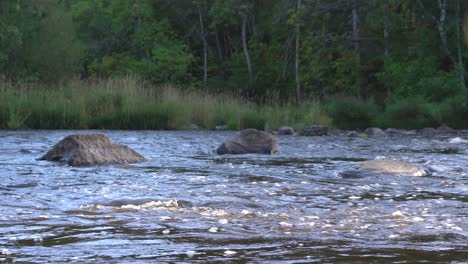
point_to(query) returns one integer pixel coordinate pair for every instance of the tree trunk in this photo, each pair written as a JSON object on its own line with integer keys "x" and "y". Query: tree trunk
{"x": 357, "y": 49}
{"x": 218, "y": 46}
{"x": 442, "y": 32}
{"x": 246, "y": 50}
{"x": 205, "y": 50}
{"x": 286, "y": 57}
{"x": 298, "y": 31}
{"x": 465, "y": 27}
{"x": 386, "y": 33}
{"x": 461, "y": 67}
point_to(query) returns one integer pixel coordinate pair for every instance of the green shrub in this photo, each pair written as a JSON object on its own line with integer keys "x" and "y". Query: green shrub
{"x": 410, "y": 113}
{"x": 352, "y": 113}
{"x": 453, "y": 111}
{"x": 253, "y": 119}
{"x": 419, "y": 78}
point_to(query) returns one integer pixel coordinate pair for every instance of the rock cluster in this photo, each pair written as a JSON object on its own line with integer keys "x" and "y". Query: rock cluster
{"x": 314, "y": 131}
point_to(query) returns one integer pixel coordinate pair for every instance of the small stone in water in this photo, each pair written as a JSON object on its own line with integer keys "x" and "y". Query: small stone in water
{"x": 213, "y": 229}
{"x": 166, "y": 231}
{"x": 229, "y": 252}
{"x": 190, "y": 253}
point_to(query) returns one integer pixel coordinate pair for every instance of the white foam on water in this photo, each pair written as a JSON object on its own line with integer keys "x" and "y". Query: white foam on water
{"x": 286, "y": 224}
{"x": 152, "y": 205}
{"x": 398, "y": 213}
{"x": 458, "y": 140}
{"x": 223, "y": 221}
{"x": 229, "y": 252}
{"x": 213, "y": 229}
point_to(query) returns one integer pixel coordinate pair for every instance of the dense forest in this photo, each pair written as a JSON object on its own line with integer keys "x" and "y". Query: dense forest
{"x": 400, "y": 63}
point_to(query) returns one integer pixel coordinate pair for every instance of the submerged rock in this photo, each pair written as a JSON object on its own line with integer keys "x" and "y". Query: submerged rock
{"x": 314, "y": 131}
{"x": 91, "y": 149}
{"x": 356, "y": 134}
{"x": 374, "y": 132}
{"x": 428, "y": 131}
{"x": 286, "y": 130}
{"x": 193, "y": 126}
{"x": 440, "y": 130}
{"x": 391, "y": 167}
{"x": 397, "y": 131}
{"x": 386, "y": 167}
{"x": 249, "y": 141}
{"x": 446, "y": 130}
{"x": 221, "y": 128}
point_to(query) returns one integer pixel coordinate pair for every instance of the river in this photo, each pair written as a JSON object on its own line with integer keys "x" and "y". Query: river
{"x": 188, "y": 205}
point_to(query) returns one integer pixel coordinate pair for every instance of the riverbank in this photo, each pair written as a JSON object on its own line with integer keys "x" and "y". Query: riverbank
{"x": 131, "y": 103}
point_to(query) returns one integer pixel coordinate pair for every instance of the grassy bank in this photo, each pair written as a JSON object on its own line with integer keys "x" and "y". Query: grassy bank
{"x": 130, "y": 103}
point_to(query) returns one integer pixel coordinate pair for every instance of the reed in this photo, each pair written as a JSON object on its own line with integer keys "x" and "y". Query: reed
{"x": 131, "y": 103}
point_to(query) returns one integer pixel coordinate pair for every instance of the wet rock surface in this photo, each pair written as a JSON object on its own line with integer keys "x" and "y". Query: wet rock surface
{"x": 91, "y": 149}
{"x": 286, "y": 130}
{"x": 249, "y": 141}
{"x": 391, "y": 167}
{"x": 374, "y": 132}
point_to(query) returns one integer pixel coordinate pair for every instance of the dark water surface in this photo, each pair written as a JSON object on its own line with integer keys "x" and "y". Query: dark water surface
{"x": 188, "y": 205}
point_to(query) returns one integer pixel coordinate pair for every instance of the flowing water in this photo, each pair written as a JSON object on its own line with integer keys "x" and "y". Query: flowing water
{"x": 188, "y": 205}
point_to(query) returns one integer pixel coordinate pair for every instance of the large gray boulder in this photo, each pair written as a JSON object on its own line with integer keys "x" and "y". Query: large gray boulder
{"x": 91, "y": 149}
{"x": 249, "y": 141}
{"x": 390, "y": 167}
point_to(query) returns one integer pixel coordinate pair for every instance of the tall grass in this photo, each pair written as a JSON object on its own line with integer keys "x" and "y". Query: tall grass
{"x": 131, "y": 103}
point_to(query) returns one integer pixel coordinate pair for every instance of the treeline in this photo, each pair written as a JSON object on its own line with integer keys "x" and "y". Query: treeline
{"x": 404, "y": 59}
